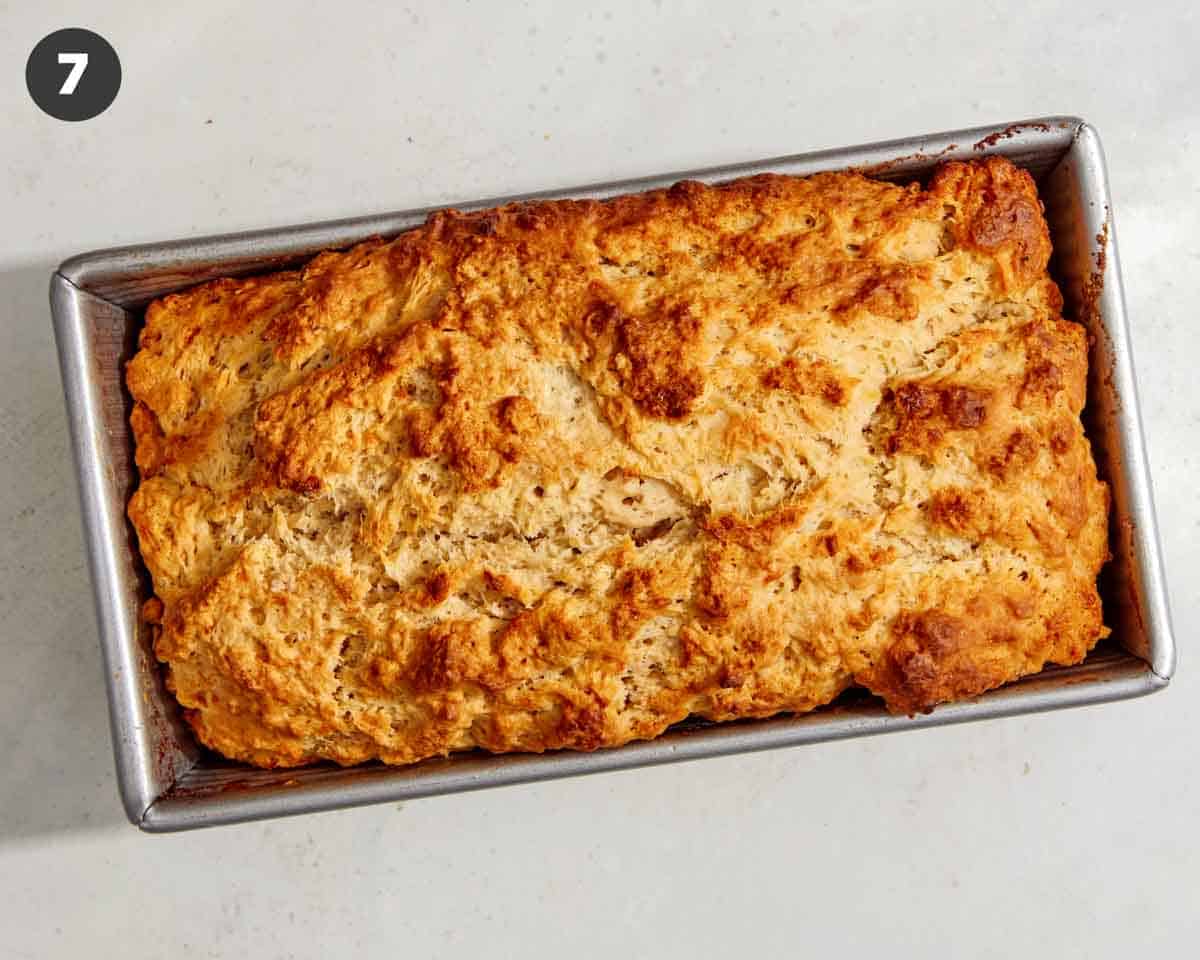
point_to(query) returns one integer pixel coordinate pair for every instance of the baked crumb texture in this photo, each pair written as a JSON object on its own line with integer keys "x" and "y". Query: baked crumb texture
{"x": 558, "y": 475}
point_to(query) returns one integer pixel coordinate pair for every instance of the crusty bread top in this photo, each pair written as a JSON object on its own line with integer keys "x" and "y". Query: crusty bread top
{"x": 561, "y": 474}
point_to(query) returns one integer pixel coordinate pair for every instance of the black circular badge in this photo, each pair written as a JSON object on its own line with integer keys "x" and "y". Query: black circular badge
{"x": 73, "y": 74}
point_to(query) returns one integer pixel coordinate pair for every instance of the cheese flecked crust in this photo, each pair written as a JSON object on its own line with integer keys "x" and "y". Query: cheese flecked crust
{"x": 561, "y": 474}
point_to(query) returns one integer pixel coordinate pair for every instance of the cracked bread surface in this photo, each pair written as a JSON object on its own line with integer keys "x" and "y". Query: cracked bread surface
{"x": 561, "y": 474}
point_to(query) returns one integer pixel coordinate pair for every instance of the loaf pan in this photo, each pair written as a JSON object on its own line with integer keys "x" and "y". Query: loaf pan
{"x": 168, "y": 782}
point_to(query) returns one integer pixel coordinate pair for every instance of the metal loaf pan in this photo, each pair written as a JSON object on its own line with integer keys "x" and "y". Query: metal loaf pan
{"x": 168, "y": 782}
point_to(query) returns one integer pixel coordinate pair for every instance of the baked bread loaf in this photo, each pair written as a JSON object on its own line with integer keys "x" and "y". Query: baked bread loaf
{"x": 561, "y": 474}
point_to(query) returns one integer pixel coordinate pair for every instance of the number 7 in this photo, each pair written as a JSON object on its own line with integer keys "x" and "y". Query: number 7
{"x": 78, "y": 62}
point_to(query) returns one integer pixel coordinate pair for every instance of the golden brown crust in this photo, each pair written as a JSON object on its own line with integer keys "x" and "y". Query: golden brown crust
{"x": 558, "y": 475}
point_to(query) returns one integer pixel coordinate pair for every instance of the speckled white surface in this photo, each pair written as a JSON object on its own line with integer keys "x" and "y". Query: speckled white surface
{"x": 1064, "y": 835}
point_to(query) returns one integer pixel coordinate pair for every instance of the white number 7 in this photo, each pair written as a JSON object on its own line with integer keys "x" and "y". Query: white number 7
{"x": 78, "y": 62}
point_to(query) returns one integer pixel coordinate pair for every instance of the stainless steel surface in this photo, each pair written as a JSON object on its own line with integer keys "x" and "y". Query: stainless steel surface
{"x": 1087, "y": 266}
{"x": 260, "y": 794}
{"x": 150, "y": 743}
{"x": 168, "y": 783}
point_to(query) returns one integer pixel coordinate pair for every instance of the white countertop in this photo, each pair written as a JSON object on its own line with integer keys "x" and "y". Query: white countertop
{"x": 1070, "y": 834}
